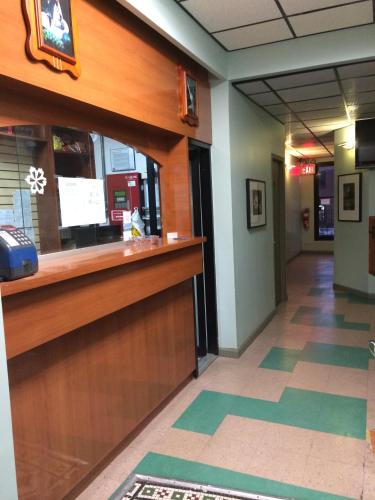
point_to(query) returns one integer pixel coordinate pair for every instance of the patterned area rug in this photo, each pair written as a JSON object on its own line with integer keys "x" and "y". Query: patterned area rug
{"x": 139, "y": 487}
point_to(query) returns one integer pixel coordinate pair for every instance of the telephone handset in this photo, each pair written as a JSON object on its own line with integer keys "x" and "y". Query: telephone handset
{"x": 18, "y": 255}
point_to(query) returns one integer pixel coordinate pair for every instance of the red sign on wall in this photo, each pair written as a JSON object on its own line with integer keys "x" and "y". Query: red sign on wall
{"x": 307, "y": 169}
{"x": 302, "y": 169}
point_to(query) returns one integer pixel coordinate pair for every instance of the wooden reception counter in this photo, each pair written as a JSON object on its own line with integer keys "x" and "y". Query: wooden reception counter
{"x": 96, "y": 341}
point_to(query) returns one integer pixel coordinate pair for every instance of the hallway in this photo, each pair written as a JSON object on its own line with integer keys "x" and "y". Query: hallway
{"x": 288, "y": 418}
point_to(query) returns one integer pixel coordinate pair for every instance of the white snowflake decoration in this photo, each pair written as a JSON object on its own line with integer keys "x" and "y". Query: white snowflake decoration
{"x": 36, "y": 180}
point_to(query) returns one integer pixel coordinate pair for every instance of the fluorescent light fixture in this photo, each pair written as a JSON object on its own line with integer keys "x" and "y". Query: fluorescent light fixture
{"x": 349, "y": 144}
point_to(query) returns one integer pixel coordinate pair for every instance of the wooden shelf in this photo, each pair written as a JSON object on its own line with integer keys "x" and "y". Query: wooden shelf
{"x": 23, "y": 137}
{"x": 74, "y": 153}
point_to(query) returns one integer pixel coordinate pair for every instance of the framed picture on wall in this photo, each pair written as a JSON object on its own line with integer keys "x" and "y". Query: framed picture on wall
{"x": 350, "y": 197}
{"x": 255, "y": 203}
{"x": 188, "y": 97}
{"x": 52, "y": 33}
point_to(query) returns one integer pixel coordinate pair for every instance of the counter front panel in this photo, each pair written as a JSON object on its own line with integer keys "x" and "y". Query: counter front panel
{"x": 91, "y": 354}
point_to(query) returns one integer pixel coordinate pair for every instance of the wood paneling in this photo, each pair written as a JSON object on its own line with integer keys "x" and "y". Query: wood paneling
{"x": 71, "y": 264}
{"x": 37, "y": 316}
{"x": 127, "y": 68}
{"x": 19, "y": 104}
{"x": 48, "y": 210}
{"x": 76, "y": 398}
{"x": 372, "y": 245}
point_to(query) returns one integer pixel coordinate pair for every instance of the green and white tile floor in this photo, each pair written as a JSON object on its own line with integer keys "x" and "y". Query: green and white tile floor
{"x": 288, "y": 418}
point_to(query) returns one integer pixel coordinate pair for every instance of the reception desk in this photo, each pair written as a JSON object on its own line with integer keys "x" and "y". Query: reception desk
{"x": 96, "y": 341}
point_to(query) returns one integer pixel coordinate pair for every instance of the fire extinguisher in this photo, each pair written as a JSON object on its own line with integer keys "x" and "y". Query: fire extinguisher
{"x": 306, "y": 218}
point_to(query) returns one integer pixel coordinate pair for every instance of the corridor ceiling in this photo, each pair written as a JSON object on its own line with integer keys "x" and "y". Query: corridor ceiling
{"x": 314, "y": 103}
{"x": 311, "y": 104}
{"x": 239, "y": 24}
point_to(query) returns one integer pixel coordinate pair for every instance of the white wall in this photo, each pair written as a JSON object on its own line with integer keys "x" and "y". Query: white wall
{"x": 351, "y": 238}
{"x": 292, "y": 211}
{"x": 242, "y": 148}
{"x": 298, "y": 54}
{"x": 8, "y": 485}
{"x": 167, "y": 17}
{"x": 223, "y": 215}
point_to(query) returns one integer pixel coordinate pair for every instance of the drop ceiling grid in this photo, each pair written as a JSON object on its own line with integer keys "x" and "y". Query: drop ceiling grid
{"x": 250, "y": 23}
{"x": 313, "y": 110}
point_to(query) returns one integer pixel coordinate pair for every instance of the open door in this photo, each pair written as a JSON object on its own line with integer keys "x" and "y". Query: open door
{"x": 205, "y": 283}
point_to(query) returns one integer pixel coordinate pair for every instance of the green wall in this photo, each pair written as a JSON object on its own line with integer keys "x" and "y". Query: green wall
{"x": 244, "y": 137}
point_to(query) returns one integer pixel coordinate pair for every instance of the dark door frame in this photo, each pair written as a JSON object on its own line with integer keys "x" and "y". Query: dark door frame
{"x": 316, "y": 204}
{"x": 282, "y": 222}
{"x": 205, "y": 283}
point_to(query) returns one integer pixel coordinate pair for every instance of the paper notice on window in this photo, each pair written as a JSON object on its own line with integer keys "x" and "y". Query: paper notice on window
{"x": 7, "y": 217}
{"x": 82, "y": 201}
{"x": 22, "y": 208}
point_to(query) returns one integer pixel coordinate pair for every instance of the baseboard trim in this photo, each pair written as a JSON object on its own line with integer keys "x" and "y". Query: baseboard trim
{"x": 342, "y": 288}
{"x": 236, "y": 353}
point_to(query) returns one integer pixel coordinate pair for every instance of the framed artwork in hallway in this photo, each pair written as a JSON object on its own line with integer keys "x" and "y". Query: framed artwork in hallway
{"x": 52, "y": 33}
{"x": 255, "y": 203}
{"x": 188, "y": 98}
{"x": 350, "y": 197}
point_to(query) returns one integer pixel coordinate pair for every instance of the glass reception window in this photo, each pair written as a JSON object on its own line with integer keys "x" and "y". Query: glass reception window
{"x": 67, "y": 188}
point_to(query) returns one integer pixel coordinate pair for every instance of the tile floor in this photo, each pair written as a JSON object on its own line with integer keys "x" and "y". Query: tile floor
{"x": 288, "y": 418}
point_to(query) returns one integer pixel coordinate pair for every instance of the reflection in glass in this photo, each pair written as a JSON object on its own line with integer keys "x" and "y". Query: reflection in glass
{"x": 91, "y": 180}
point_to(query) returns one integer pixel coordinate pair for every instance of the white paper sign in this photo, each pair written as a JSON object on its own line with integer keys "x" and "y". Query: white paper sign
{"x": 82, "y": 201}
{"x": 22, "y": 208}
{"x": 7, "y": 217}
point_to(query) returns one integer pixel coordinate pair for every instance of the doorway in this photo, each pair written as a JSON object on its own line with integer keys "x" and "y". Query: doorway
{"x": 205, "y": 283}
{"x": 279, "y": 228}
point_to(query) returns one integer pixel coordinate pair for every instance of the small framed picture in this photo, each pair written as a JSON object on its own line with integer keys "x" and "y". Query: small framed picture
{"x": 188, "y": 98}
{"x": 350, "y": 197}
{"x": 52, "y": 36}
{"x": 256, "y": 203}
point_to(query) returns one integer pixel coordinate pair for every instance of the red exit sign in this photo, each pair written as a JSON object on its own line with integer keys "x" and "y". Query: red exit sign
{"x": 302, "y": 169}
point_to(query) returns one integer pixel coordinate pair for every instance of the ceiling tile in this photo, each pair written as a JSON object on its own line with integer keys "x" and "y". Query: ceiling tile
{"x": 328, "y": 102}
{"x": 296, "y": 6}
{"x": 266, "y": 98}
{"x": 333, "y": 19}
{"x": 308, "y": 78}
{"x": 302, "y": 135}
{"x": 365, "y": 108}
{"x": 258, "y": 34}
{"x": 296, "y": 126}
{"x": 217, "y": 15}
{"x": 355, "y": 85}
{"x": 288, "y": 118}
{"x": 322, "y": 113}
{"x": 362, "y": 98}
{"x": 329, "y": 122}
{"x": 365, "y": 114}
{"x": 327, "y": 128}
{"x": 278, "y": 109}
{"x": 356, "y": 70}
{"x": 310, "y": 92}
{"x": 253, "y": 87}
